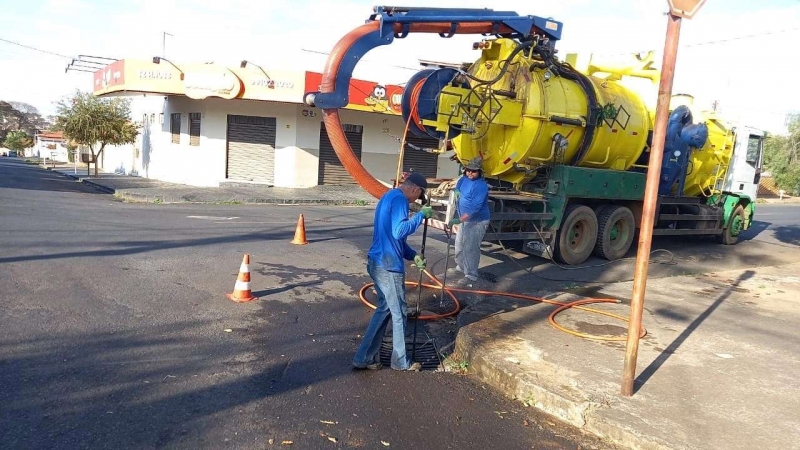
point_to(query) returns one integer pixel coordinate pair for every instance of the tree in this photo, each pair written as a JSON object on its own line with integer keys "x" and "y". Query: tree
{"x": 9, "y": 119}
{"x": 782, "y": 156}
{"x": 95, "y": 122}
{"x": 20, "y": 116}
{"x": 18, "y": 140}
{"x": 30, "y": 119}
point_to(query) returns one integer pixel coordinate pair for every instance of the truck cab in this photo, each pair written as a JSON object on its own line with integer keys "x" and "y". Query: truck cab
{"x": 744, "y": 173}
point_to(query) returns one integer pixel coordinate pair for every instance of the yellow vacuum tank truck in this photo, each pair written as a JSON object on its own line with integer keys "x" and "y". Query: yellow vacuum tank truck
{"x": 535, "y": 114}
{"x": 565, "y": 152}
{"x": 564, "y": 148}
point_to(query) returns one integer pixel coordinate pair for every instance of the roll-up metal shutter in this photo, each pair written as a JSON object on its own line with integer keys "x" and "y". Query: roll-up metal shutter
{"x": 331, "y": 170}
{"x": 418, "y": 160}
{"x": 251, "y": 148}
{"x": 194, "y": 129}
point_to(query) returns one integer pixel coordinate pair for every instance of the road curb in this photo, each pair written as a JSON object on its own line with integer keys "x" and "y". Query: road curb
{"x": 138, "y": 197}
{"x": 542, "y": 385}
{"x": 86, "y": 181}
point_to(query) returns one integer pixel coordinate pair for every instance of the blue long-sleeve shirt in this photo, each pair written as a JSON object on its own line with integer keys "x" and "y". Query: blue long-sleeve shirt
{"x": 473, "y": 200}
{"x": 391, "y": 227}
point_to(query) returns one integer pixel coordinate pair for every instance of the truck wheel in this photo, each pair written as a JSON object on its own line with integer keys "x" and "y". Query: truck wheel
{"x": 616, "y": 230}
{"x": 598, "y": 210}
{"x": 577, "y": 235}
{"x": 731, "y": 233}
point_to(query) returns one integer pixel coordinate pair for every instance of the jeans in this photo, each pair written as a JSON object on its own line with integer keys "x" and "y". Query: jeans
{"x": 468, "y": 247}
{"x": 391, "y": 304}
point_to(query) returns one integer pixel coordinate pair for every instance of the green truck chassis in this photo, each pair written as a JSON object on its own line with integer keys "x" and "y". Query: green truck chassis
{"x": 569, "y": 213}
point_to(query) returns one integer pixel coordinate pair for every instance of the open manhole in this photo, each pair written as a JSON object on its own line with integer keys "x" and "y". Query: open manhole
{"x": 425, "y": 355}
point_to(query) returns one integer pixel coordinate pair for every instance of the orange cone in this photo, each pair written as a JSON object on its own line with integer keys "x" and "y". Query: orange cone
{"x": 300, "y": 232}
{"x": 241, "y": 290}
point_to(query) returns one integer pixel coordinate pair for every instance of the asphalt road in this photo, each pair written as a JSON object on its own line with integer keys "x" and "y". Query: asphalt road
{"x": 117, "y": 334}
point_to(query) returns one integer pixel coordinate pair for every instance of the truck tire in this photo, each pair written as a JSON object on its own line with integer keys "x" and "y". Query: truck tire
{"x": 598, "y": 210}
{"x": 616, "y": 227}
{"x": 577, "y": 235}
{"x": 730, "y": 235}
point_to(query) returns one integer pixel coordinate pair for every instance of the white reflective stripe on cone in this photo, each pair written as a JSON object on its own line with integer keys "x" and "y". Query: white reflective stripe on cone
{"x": 244, "y": 269}
{"x": 242, "y": 286}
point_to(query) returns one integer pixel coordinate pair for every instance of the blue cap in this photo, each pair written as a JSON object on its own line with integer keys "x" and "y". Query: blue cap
{"x": 417, "y": 179}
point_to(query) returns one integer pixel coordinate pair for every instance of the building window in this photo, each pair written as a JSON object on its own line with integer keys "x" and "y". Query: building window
{"x": 194, "y": 129}
{"x": 175, "y": 127}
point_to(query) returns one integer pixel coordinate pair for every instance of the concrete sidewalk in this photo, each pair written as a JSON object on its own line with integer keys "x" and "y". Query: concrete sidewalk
{"x": 718, "y": 369}
{"x": 138, "y": 189}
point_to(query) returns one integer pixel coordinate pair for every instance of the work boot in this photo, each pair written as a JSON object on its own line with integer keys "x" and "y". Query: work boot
{"x": 414, "y": 367}
{"x": 373, "y": 366}
{"x": 463, "y": 283}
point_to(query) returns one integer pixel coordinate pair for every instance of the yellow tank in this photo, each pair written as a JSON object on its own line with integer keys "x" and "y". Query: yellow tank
{"x": 709, "y": 164}
{"x": 512, "y": 123}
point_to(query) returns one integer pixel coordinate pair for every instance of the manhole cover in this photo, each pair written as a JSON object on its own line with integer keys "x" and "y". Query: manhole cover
{"x": 425, "y": 355}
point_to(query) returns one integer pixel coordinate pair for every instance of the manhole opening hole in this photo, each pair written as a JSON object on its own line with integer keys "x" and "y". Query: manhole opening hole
{"x": 425, "y": 355}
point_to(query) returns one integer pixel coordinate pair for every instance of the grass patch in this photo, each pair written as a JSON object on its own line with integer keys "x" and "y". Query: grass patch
{"x": 226, "y": 202}
{"x": 455, "y": 364}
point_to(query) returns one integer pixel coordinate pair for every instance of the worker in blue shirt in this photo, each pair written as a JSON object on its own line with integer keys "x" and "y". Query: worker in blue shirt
{"x": 386, "y": 268}
{"x": 472, "y": 198}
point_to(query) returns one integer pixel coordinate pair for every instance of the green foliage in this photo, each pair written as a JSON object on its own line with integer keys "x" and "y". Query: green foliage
{"x": 782, "y": 156}
{"x": 93, "y": 121}
{"x": 18, "y": 140}
{"x": 20, "y": 116}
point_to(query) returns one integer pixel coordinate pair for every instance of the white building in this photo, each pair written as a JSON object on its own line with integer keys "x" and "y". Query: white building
{"x": 49, "y": 145}
{"x": 204, "y": 125}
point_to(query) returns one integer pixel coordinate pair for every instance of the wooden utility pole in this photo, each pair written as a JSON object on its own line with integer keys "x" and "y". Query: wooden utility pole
{"x": 679, "y": 9}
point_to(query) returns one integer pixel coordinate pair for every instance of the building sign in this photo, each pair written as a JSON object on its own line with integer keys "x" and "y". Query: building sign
{"x": 211, "y": 81}
{"x": 273, "y": 84}
{"x": 365, "y": 95}
{"x": 112, "y": 75}
{"x": 138, "y": 76}
{"x": 201, "y": 81}
{"x": 155, "y": 75}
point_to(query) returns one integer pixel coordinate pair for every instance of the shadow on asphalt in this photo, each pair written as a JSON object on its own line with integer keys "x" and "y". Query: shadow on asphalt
{"x": 673, "y": 347}
{"x": 788, "y": 234}
{"x": 754, "y": 231}
{"x": 154, "y": 387}
{"x": 21, "y": 175}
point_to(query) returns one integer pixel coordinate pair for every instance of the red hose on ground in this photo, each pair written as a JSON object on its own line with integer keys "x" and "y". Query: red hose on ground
{"x": 562, "y": 306}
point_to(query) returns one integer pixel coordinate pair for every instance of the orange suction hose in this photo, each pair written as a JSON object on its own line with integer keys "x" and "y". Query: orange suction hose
{"x": 333, "y": 123}
{"x": 562, "y": 306}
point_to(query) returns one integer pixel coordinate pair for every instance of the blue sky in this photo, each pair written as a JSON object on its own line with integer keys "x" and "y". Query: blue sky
{"x": 748, "y": 76}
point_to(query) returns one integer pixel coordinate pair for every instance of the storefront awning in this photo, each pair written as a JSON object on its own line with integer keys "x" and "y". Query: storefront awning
{"x": 200, "y": 81}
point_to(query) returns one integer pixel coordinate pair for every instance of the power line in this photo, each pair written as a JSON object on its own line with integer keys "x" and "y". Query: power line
{"x": 34, "y": 48}
{"x": 698, "y": 44}
{"x": 739, "y": 38}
